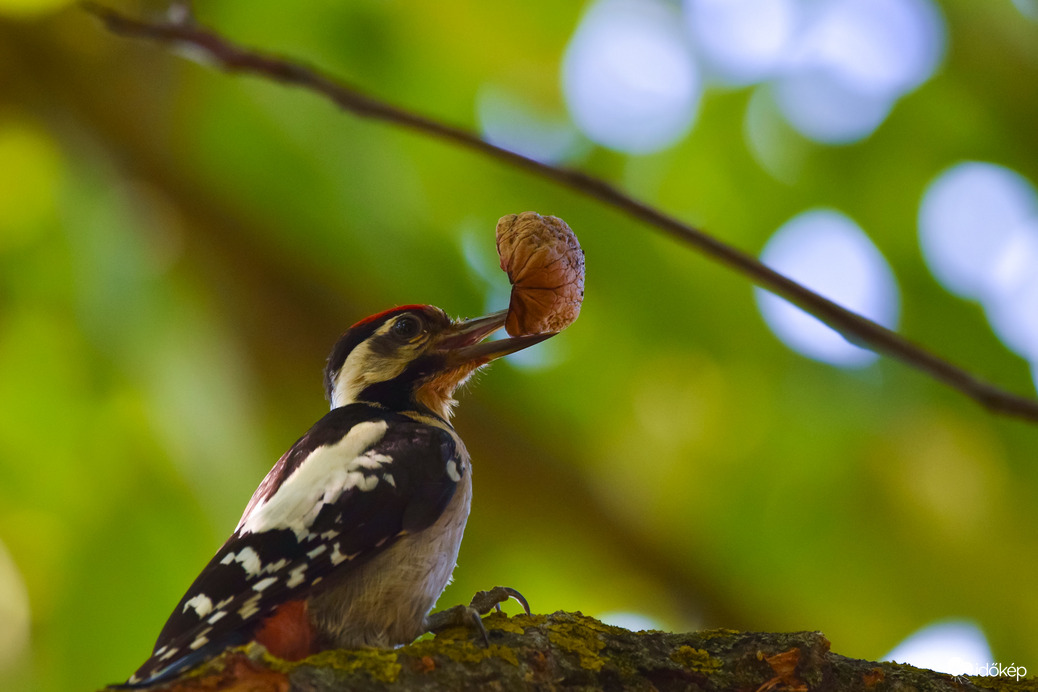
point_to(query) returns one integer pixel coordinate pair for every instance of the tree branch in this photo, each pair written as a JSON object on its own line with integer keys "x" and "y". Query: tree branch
{"x": 569, "y": 651}
{"x": 225, "y": 54}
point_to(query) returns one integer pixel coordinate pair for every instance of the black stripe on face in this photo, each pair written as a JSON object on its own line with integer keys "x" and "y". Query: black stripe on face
{"x": 342, "y": 349}
{"x": 398, "y": 394}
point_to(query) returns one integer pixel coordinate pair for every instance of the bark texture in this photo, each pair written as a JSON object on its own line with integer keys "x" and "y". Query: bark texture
{"x": 569, "y": 651}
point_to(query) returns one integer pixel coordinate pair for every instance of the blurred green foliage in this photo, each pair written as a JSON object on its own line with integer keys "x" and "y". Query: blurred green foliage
{"x": 179, "y": 248}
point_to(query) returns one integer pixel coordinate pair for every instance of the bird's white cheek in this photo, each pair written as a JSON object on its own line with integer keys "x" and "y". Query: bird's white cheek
{"x": 362, "y": 369}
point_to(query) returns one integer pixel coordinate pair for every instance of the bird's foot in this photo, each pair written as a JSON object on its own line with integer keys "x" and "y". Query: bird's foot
{"x": 471, "y": 615}
{"x": 484, "y": 601}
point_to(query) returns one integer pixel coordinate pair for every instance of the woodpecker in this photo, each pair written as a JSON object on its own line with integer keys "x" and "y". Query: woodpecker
{"x": 354, "y": 533}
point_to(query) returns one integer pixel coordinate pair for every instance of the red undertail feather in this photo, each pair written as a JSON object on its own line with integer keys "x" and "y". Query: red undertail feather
{"x": 287, "y": 633}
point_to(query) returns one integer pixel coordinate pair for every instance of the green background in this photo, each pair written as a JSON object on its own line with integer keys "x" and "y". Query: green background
{"x": 180, "y": 248}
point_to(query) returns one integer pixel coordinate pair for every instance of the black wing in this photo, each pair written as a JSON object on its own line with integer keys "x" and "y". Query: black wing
{"x": 348, "y": 489}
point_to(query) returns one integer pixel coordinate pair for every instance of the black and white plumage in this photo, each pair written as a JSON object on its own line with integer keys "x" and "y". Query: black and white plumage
{"x": 354, "y": 533}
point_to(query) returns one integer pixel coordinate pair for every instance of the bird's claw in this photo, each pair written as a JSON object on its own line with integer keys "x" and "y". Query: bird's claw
{"x": 471, "y": 615}
{"x": 457, "y": 616}
{"x": 483, "y": 601}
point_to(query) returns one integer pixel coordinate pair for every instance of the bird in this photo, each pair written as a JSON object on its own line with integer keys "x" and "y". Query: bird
{"x": 352, "y": 536}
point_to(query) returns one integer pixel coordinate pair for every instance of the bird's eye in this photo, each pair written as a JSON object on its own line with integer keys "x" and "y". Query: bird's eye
{"x": 406, "y": 327}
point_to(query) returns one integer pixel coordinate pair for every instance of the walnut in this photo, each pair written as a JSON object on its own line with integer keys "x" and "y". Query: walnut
{"x": 545, "y": 264}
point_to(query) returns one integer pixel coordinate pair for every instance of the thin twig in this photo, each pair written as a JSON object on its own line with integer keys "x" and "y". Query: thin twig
{"x": 857, "y": 329}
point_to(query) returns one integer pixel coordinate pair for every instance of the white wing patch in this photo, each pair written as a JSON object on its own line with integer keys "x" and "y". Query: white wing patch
{"x": 264, "y": 583}
{"x": 370, "y": 460}
{"x": 201, "y": 639}
{"x": 320, "y": 479}
{"x": 202, "y": 604}
{"x": 275, "y": 566}
{"x": 296, "y": 576}
{"x": 169, "y": 654}
{"x": 250, "y": 607}
{"x": 337, "y": 558}
{"x": 249, "y": 559}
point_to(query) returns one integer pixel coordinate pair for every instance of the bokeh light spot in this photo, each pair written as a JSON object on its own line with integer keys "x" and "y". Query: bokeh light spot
{"x": 1028, "y": 8}
{"x": 636, "y": 622}
{"x": 827, "y": 110}
{"x": 629, "y": 78}
{"x": 509, "y": 122}
{"x": 742, "y": 41}
{"x": 885, "y": 47}
{"x": 1012, "y": 307}
{"x": 827, "y": 252}
{"x": 970, "y": 220}
{"x": 978, "y": 229}
{"x": 954, "y": 647}
{"x": 482, "y": 262}
{"x": 854, "y": 59}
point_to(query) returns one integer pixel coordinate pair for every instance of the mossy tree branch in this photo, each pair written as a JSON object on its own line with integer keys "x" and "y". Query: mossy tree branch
{"x": 568, "y": 651}
{"x": 183, "y": 31}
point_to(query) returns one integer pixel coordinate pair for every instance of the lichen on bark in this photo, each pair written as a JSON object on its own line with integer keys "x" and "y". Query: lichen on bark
{"x": 570, "y": 651}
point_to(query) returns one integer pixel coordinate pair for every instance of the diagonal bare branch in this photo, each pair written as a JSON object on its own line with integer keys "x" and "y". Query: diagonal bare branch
{"x": 231, "y": 57}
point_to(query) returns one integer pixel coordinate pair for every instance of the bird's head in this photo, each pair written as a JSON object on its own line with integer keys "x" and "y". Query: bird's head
{"x": 413, "y": 358}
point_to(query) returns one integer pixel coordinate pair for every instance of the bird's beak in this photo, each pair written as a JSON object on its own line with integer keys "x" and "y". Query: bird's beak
{"x": 464, "y": 345}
